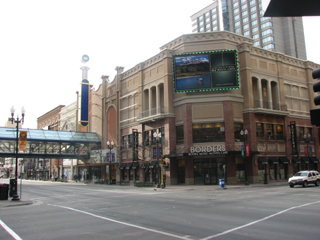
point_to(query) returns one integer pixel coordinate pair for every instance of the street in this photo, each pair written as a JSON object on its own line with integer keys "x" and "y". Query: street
{"x": 80, "y": 211}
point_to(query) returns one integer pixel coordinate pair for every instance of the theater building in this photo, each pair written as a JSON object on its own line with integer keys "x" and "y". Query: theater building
{"x": 212, "y": 106}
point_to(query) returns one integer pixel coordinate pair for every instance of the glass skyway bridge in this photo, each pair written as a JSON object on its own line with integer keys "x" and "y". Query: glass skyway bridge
{"x": 49, "y": 144}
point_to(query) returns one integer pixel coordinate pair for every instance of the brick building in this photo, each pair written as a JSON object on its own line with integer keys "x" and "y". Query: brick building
{"x": 200, "y": 129}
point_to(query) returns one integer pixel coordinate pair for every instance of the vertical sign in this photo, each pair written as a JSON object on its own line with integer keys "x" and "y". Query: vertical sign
{"x": 84, "y": 117}
{"x": 305, "y": 152}
{"x": 23, "y": 140}
{"x": 293, "y": 138}
{"x": 108, "y": 157}
{"x": 242, "y": 150}
{"x": 247, "y": 150}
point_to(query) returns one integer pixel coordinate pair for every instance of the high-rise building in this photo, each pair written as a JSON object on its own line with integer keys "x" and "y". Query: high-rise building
{"x": 245, "y": 17}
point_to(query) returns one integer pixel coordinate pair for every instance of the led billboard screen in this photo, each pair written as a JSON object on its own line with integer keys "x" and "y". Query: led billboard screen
{"x": 206, "y": 71}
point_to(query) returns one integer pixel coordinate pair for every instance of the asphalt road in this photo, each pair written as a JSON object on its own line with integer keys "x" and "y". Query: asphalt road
{"x": 78, "y": 211}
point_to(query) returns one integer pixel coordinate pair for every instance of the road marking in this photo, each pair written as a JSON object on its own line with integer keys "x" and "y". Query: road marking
{"x": 257, "y": 221}
{"x": 10, "y": 231}
{"x": 123, "y": 223}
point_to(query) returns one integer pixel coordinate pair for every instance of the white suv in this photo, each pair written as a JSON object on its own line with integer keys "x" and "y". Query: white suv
{"x": 304, "y": 178}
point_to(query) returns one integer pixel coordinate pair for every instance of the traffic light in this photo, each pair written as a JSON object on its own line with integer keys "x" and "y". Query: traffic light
{"x": 163, "y": 162}
{"x": 315, "y": 113}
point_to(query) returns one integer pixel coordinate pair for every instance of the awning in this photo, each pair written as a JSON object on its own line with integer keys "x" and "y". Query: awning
{"x": 263, "y": 160}
{"x": 123, "y": 165}
{"x": 135, "y": 165}
{"x": 314, "y": 159}
{"x": 296, "y": 160}
{"x": 274, "y": 160}
{"x": 305, "y": 159}
{"x": 152, "y": 164}
{"x": 129, "y": 165}
{"x": 284, "y": 160}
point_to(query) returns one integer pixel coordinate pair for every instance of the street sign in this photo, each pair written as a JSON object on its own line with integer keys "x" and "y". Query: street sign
{"x": 156, "y": 152}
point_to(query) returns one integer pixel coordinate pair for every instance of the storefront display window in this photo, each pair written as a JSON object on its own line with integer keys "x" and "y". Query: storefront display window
{"x": 146, "y": 138}
{"x": 272, "y": 172}
{"x": 131, "y": 174}
{"x": 261, "y": 171}
{"x": 208, "y": 132}
{"x": 283, "y": 171}
{"x": 270, "y": 132}
{"x": 240, "y": 173}
{"x": 137, "y": 177}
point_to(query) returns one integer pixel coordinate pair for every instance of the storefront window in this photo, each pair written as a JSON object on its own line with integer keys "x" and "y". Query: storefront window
{"x": 261, "y": 171}
{"x": 136, "y": 173}
{"x": 273, "y": 172}
{"x": 154, "y": 139}
{"x": 309, "y": 131}
{"x": 280, "y": 132}
{"x": 208, "y": 132}
{"x": 180, "y": 134}
{"x": 283, "y": 171}
{"x": 208, "y": 170}
{"x": 237, "y": 128}
{"x": 240, "y": 174}
{"x": 147, "y": 175}
{"x": 131, "y": 174}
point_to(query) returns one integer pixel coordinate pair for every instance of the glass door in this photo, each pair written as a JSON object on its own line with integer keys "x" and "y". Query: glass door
{"x": 210, "y": 176}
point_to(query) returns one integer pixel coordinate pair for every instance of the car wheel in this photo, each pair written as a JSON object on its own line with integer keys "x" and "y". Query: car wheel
{"x": 304, "y": 184}
{"x": 317, "y": 183}
{"x": 291, "y": 185}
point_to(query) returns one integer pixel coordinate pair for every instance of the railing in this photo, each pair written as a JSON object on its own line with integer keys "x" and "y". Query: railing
{"x": 152, "y": 112}
{"x": 265, "y": 105}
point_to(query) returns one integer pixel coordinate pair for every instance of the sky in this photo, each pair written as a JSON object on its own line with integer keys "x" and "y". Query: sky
{"x": 42, "y": 43}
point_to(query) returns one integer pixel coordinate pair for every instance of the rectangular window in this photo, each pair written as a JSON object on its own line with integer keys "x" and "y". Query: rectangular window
{"x": 180, "y": 134}
{"x": 246, "y": 26}
{"x": 235, "y": 4}
{"x": 245, "y": 20}
{"x": 237, "y": 128}
{"x": 246, "y": 33}
{"x": 279, "y": 132}
{"x": 254, "y": 22}
{"x": 130, "y": 141}
{"x": 301, "y": 133}
{"x": 256, "y": 44}
{"x": 255, "y": 29}
{"x": 237, "y": 30}
{"x": 213, "y": 11}
{"x": 201, "y": 29}
{"x": 214, "y": 22}
{"x": 124, "y": 142}
{"x": 236, "y": 10}
{"x": 200, "y": 18}
{"x": 268, "y": 31}
{"x": 244, "y": 13}
{"x": 206, "y": 14}
{"x": 214, "y": 16}
{"x": 208, "y": 26}
{"x": 267, "y": 24}
{"x": 260, "y": 131}
{"x": 252, "y": 2}
{"x": 214, "y": 28}
{"x": 269, "y": 46}
{"x": 256, "y": 36}
{"x": 254, "y": 15}
{"x": 252, "y": 9}
{"x": 244, "y": 6}
{"x": 146, "y": 138}
{"x": 309, "y": 131}
{"x": 270, "y": 132}
{"x": 236, "y": 17}
{"x": 208, "y": 132}
{"x": 268, "y": 39}
{"x": 236, "y": 24}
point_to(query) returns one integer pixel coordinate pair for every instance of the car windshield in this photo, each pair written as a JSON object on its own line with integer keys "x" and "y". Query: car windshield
{"x": 301, "y": 174}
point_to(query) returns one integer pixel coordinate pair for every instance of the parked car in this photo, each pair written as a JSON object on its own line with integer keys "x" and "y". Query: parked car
{"x": 304, "y": 178}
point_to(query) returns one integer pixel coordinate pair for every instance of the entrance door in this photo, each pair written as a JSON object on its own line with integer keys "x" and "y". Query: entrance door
{"x": 210, "y": 176}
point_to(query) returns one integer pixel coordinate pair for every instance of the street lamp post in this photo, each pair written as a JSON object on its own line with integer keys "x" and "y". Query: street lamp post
{"x": 158, "y": 136}
{"x": 244, "y": 135}
{"x": 17, "y": 121}
{"x": 110, "y": 146}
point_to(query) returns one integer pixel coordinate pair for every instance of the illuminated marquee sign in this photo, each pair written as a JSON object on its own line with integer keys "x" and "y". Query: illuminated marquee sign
{"x": 206, "y": 71}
